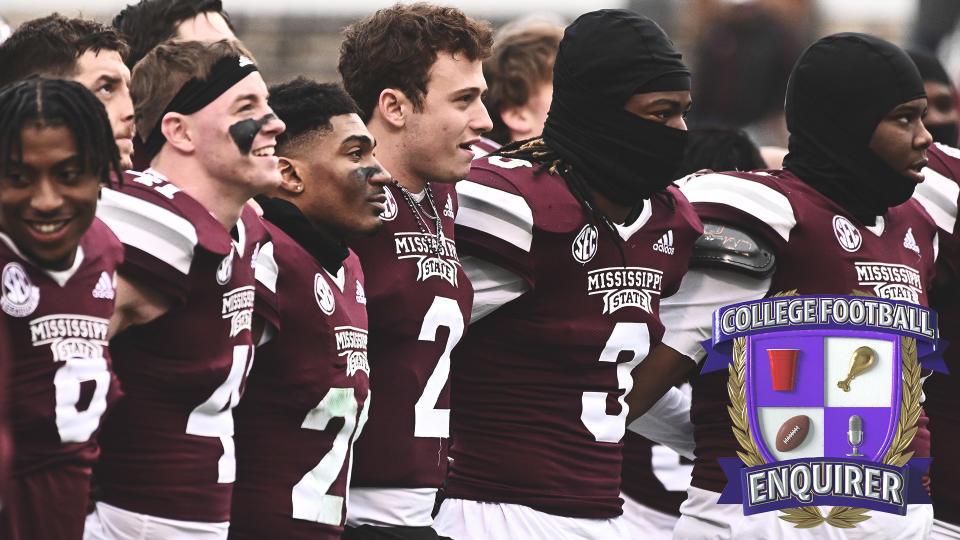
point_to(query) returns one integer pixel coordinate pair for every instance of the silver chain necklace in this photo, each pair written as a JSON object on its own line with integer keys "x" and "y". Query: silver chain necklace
{"x": 416, "y": 209}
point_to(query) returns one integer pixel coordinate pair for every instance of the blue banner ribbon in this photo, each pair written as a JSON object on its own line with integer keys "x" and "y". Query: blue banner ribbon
{"x": 842, "y": 482}
{"x": 789, "y": 313}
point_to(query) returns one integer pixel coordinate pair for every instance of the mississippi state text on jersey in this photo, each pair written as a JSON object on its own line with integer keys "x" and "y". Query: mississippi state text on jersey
{"x": 305, "y": 401}
{"x": 939, "y": 194}
{"x": 418, "y": 304}
{"x": 537, "y": 386}
{"x": 893, "y": 259}
{"x": 168, "y": 445}
{"x": 61, "y": 381}
{"x": 59, "y": 384}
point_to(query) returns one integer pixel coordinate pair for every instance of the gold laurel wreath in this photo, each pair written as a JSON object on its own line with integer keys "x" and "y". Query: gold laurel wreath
{"x": 843, "y": 517}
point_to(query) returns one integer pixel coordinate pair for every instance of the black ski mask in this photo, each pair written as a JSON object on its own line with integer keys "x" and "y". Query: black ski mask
{"x": 932, "y": 70}
{"x": 839, "y": 90}
{"x": 606, "y": 57}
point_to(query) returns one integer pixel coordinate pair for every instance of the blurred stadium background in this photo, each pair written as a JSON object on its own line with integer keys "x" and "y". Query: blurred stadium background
{"x": 740, "y": 50}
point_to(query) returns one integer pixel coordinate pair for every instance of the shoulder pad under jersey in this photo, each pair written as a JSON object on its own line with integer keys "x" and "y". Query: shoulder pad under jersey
{"x": 732, "y": 248}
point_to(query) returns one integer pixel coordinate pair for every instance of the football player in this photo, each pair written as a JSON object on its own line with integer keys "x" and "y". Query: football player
{"x": 59, "y": 280}
{"x": 939, "y": 195}
{"x": 306, "y": 398}
{"x": 416, "y": 74}
{"x": 655, "y": 478}
{"x": 520, "y": 75}
{"x": 183, "y": 344}
{"x": 148, "y": 23}
{"x": 857, "y": 146}
{"x": 80, "y": 50}
{"x": 942, "y": 117}
{"x": 570, "y": 240}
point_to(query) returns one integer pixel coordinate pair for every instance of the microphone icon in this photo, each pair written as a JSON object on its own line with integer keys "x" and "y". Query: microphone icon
{"x": 855, "y": 435}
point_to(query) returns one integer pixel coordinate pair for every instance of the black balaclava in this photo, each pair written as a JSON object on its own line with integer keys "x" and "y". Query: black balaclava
{"x": 839, "y": 90}
{"x": 932, "y": 70}
{"x": 605, "y": 57}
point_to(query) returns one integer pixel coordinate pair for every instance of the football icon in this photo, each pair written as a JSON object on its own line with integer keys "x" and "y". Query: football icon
{"x": 793, "y": 432}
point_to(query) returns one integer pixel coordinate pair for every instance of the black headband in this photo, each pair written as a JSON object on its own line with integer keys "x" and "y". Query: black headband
{"x": 197, "y": 94}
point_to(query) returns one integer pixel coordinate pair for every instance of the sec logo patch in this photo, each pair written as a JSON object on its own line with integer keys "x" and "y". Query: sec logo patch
{"x": 847, "y": 234}
{"x": 585, "y": 244}
{"x": 20, "y": 296}
{"x": 323, "y": 294}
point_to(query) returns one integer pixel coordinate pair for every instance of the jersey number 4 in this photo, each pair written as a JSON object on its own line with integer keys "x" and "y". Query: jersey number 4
{"x": 214, "y": 417}
{"x": 429, "y": 421}
{"x": 626, "y": 337}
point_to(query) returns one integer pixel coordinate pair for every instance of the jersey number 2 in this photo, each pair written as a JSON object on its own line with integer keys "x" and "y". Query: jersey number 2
{"x": 311, "y": 502}
{"x": 430, "y": 421}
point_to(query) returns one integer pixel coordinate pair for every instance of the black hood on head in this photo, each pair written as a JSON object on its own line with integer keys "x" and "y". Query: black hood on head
{"x": 606, "y": 57}
{"x": 840, "y": 89}
{"x": 930, "y": 67}
{"x": 932, "y": 70}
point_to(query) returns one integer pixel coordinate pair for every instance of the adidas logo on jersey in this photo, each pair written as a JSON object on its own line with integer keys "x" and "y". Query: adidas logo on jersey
{"x": 665, "y": 243}
{"x": 104, "y": 287}
{"x": 910, "y": 242}
{"x": 448, "y": 208}
{"x": 361, "y": 296}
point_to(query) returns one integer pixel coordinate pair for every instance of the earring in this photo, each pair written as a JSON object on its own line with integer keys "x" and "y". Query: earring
{"x": 300, "y": 187}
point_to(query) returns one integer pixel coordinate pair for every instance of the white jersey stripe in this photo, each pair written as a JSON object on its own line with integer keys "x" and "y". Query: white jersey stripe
{"x": 495, "y": 212}
{"x": 938, "y": 195}
{"x": 267, "y": 269}
{"x": 762, "y": 202}
{"x": 626, "y": 231}
{"x": 150, "y": 228}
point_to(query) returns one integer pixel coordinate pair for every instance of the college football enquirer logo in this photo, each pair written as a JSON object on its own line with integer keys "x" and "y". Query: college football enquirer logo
{"x": 825, "y": 397}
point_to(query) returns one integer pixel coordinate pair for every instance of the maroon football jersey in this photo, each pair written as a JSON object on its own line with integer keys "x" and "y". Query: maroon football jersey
{"x": 418, "y": 304}
{"x": 484, "y": 146}
{"x": 939, "y": 195}
{"x": 802, "y": 225}
{"x": 168, "y": 445}
{"x": 305, "y": 401}
{"x": 61, "y": 381}
{"x": 538, "y": 385}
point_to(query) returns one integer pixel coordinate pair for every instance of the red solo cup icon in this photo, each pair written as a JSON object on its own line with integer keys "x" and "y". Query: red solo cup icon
{"x": 783, "y": 368}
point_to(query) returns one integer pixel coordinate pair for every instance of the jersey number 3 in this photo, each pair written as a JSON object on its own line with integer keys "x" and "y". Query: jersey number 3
{"x": 626, "y": 337}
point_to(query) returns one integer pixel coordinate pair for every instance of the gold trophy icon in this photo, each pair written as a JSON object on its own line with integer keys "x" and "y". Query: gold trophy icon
{"x": 863, "y": 359}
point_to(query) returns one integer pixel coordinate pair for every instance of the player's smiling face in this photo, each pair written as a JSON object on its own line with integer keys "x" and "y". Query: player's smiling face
{"x": 901, "y": 141}
{"x": 342, "y": 182}
{"x": 47, "y": 198}
{"x": 451, "y": 120}
{"x": 253, "y": 169}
